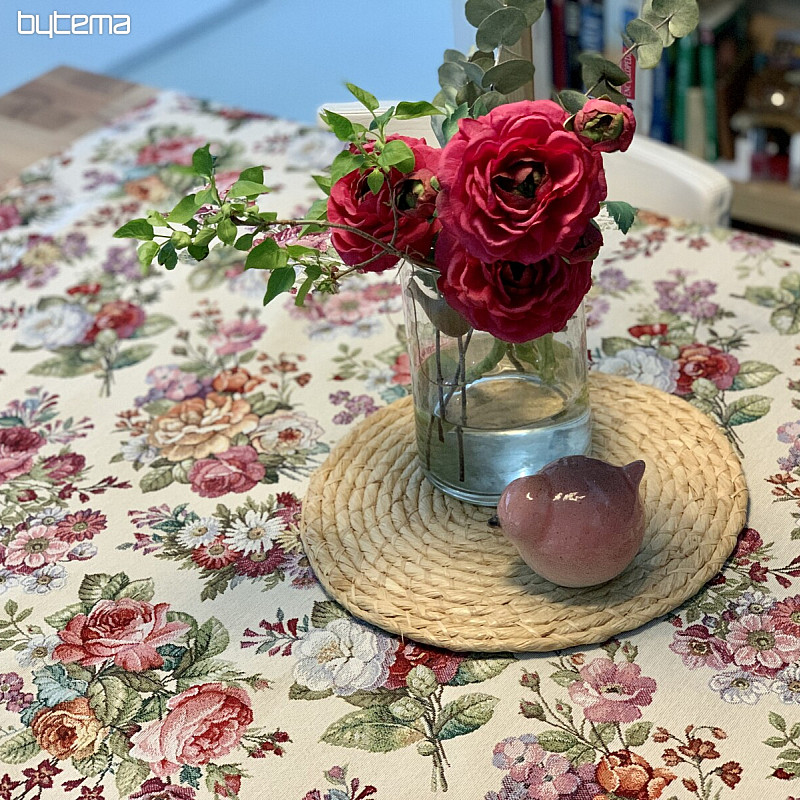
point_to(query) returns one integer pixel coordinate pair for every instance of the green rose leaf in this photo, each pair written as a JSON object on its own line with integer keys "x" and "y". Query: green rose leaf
{"x": 185, "y": 210}
{"x": 324, "y": 611}
{"x": 203, "y": 161}
{"x": 509, "y": 76}
{"x": 154, "y": 707}
{"x": 146, "y": 252}
{"x": 190, "y": 776}
{"x": 92, "y": 586}
{"x": 156, "y": 479}
{"x": 684, "y": 15}
{"x": 142, "y": 682}
{"x": 372, "y": 729}
{"x": 466, "y": 714}
{"x": 142, "y": 589}
{"x": 762, "y": 296}
{"x": 280, "y": 281}
{"x": 153, "y": 324}
{"x": 555, "y": 741}
{"x": 59, "y": 619}
{"x": 300, "y": 692}
{"x": 112, "y": 701}
{"x": 68, "y": 365}
{"x": 776, "y": 741}
{"x": 477, "y": 10}
{"x": 135, "y": 229}
{"x": 227, "y": 231}
{"x": 407, "y": 709}
{"x": 503, "y": 27}
{"x": 168, "y": 255}
{"x": 255, "y": 174}
{"x": 247, "y": 189}
{"x": 397, "y": 154}
{"x": 94, "y": 764}
{"x": 369, "y": 101}
{"x": 622, "y": 213}
{"x": 747, "y": 409}
{"x": 704, "y": 388}
{"x": 648, "y": 41}
{"x": 754, "y": 373}
{"x": 341, "y": 126}
{"x": 603, "y": 732}
{"x": 706, "y": 406}
{"x": 786, "y": 320}
{"x": 130, "y": 775}
{"x": 132, "y": 355}
{"x": 636, "y": 735}
{"x": 406, "y": 110}
{"x": 267, "y": 255}
{"x": 17, "y": 749}
{"x": 375, "y": 180}
{"x": 374, "y": 697}
{"x": 477, "y": 670}
{"x": 777, "y": 721}
{"x": 421, "y": 682}
{"x": 211, "y": 640}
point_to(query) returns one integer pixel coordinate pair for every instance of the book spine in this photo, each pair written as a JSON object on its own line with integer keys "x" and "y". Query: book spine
{"x": 558, "y": 37}
{"x": 590, "y": 36}
{"x": 572, "y": 33}
{"x": 542, "y": 57}
{"x": 684, "y": 80}
{"x": 660, "y": 121}
{"x": 708, "y": 80}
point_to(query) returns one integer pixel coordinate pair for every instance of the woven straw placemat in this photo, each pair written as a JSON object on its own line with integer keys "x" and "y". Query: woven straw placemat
{"x": 397, "y": 552}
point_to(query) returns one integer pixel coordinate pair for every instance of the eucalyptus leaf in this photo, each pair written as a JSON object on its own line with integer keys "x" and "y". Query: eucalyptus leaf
{"x": 485, "y": 60}
{"x": 648, "y": 43}
{"x": 572, "y": 100}
{"x": 502, "y": 28}
{"x": 452, "y": 74}
{"x": 509, "y": 76}
{"x": 595, "y": 68}
{"x": 476, "y": 11}
{"x": 656, "y": 20}
{"x": 453, "y": 55}
{"x": 684, "y": 15}
{"x": 532, "y": 9}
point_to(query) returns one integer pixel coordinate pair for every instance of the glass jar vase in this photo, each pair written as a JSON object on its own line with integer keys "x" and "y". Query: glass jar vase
{"x": 488, "y": 411}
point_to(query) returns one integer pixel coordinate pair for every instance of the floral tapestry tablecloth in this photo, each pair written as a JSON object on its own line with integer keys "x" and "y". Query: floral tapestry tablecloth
{"x": 162, "y": 634}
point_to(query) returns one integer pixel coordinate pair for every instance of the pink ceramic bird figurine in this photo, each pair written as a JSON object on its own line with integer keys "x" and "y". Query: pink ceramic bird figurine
{"x": 577, "y": 522}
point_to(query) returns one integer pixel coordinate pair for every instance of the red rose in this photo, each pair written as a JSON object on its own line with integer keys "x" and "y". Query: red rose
{"x": 514, "y": 302}
{"x": 605, "y": 126}
{"x": 202, "y": 724}
{"x": 119, "y": 316}
{"x": 586, "y": 248}
{"x": 703, "y": 361}
{"x": 9, "y": 216}
{"x": 749, "y": 541}
{"x": 236, "y": 470}
{"x": 518, "y": 187}
{"x": 352, "y": 203}
{"x": 408, "y": 656}
{"x": 124, "y": 631}
{"x": 18, "y": 446}
{"x": 659, "y": 329}
{"x": 64, "y": 466}
{"x": 85, "y": 288}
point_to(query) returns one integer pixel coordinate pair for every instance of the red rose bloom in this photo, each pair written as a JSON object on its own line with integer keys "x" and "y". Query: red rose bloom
{"x": 236, "y": 470}
{"x": 18, "y": 446}
{"x": 124, "y": 631}
{"x": 64, "y": 466}
{"x": 352, "y": 203}
{"x": 408, "y": 656}
{"x": 703, "y": 361}
{"x": 512, "y": 301}
{"x": 518, "y": 187}
{"x": 605, "y": 126}
{"x": 119, "y": 316}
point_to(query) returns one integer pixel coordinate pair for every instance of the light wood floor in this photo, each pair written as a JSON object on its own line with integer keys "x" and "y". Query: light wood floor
{"x": 42, "y": 117}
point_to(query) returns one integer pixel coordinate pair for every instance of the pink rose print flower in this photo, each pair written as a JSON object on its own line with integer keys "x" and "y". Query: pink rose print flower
{"x": 156, "y": 789}
{"x": 703, "y": 361}
{"x": 757, "y": 644}
{"x": 612, "y": 693}
{"x": 120, "y": 316}
{"x": 203, "y": 723}
{"x": 18, "y": 446}
{"x": 407, "y": 656}
{"x": 402, "y": 370}
{"x": 749, "y": 541}
{"x": 235, "y": 470}
{"x": 124, "y": 631}
{"x": 698, "y": 648}
{"x": 233, "y": 337}
{"x": 81, "y": 525}
{"x": 34, "y": 548}
{"x": 786, "y": 615}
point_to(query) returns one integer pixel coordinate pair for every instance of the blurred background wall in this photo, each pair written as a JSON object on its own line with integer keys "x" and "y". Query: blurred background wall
{"x": 284, "y": 57}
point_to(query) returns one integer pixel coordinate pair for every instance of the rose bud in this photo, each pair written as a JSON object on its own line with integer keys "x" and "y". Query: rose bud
{"x": 605, "y": 126}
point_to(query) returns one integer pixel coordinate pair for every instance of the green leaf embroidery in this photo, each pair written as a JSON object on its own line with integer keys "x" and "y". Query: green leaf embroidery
{"x": 747, "y": 409}
{"x": 753, "y": 373}
{"x": 466, "y": 714}
{"x": 786, "y": 320}
{"x": 636, "y": 734}
{"x": 299, "y": 692}
{"x": 372, "y": 729}
{"x": 112, "y": 701}
{"x": 156, "y": 479}
{"x": 557, "y": 741}
{"x": 130, "y": 774}
{"x": 326, "y": 610}
{"x": 777, "y": 721}
{"x": 212, "y": 639}
{"x": 142, "y": 589}
{"x": 18, "y": 748}
{"x": 59, "y": 619}
{"x": 612, "y": 345}
{"x": 153, "y": 324}
{"x": 66, "y": 365}
{"x": 477, "y": 670}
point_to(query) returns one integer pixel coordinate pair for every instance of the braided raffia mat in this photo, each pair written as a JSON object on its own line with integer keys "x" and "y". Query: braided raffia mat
{"x": 397, "y": 552}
